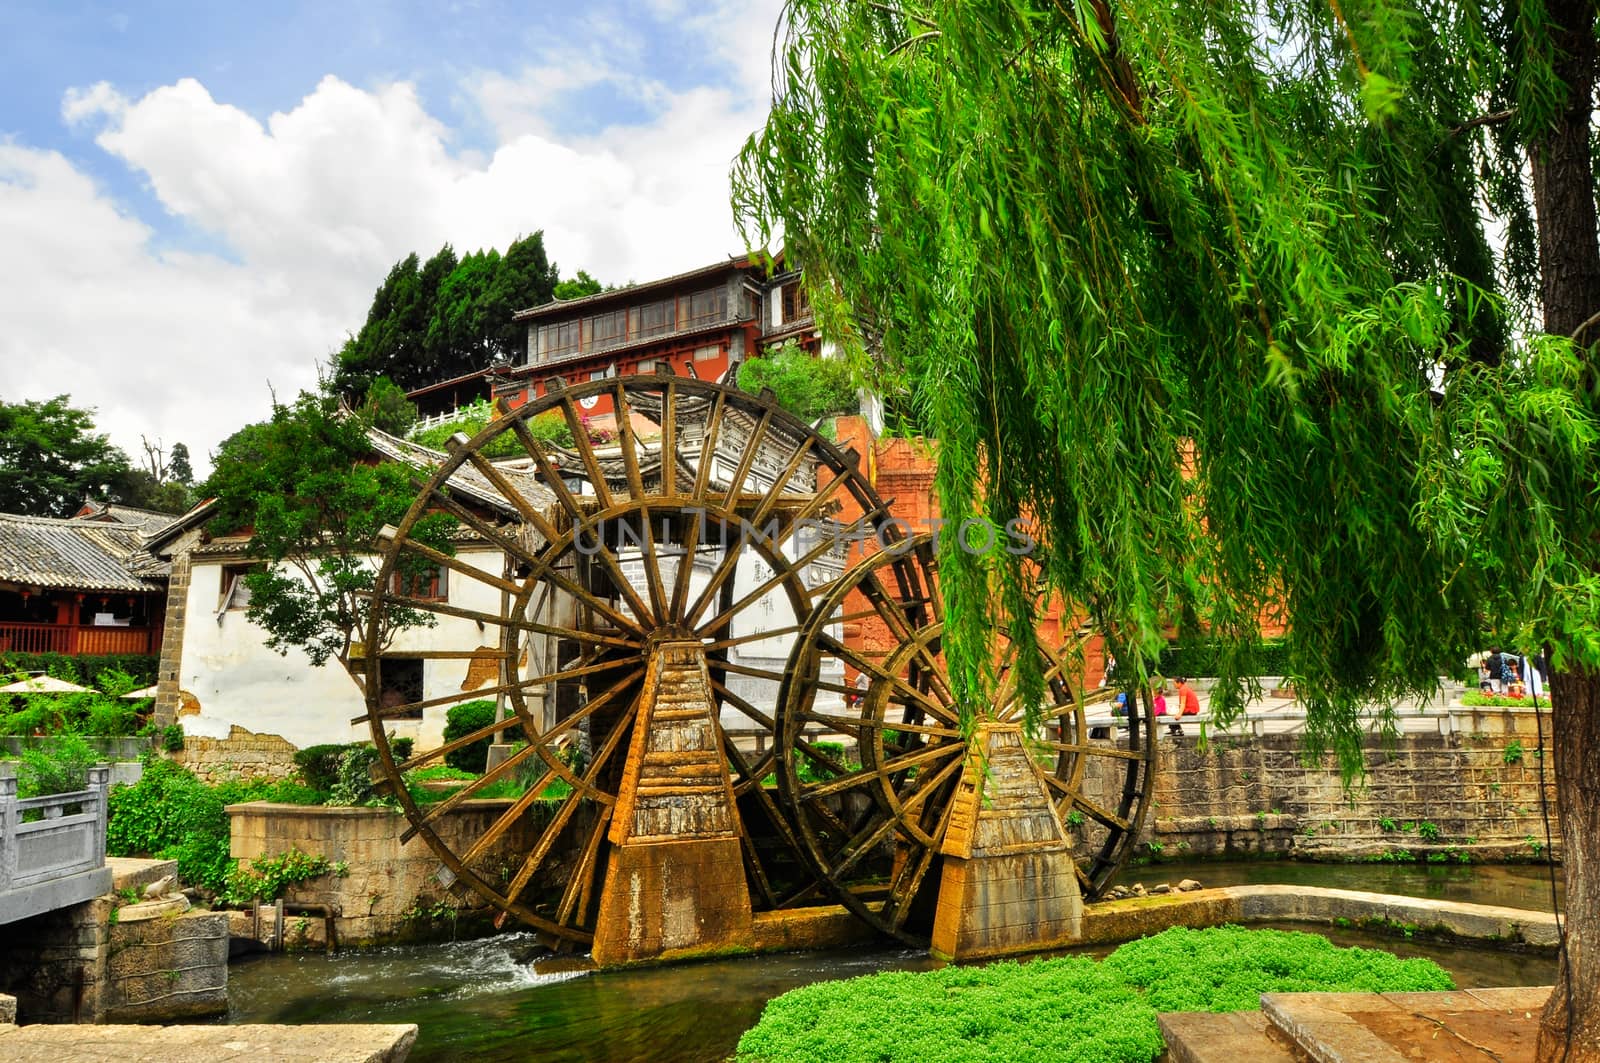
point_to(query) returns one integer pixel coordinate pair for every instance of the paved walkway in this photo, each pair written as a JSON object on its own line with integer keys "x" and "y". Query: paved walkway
{"x": 369, "y": 1043}
{"x": 1467, "y": 1026}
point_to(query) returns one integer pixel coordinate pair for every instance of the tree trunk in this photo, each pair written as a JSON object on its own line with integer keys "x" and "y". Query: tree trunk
{"x": 1569, "y": 268}
{"x": 1575, "y": 705}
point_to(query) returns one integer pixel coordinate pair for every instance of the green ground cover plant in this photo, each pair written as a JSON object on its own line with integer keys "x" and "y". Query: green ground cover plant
{"x": 1066, "y": 1008}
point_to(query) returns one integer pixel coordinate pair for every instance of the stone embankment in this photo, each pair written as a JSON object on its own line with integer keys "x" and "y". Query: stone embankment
{"x": 370, "y": 1043}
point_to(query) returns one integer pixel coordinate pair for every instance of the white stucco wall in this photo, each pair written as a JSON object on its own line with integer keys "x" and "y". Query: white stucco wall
{"x": 227, "y": 667}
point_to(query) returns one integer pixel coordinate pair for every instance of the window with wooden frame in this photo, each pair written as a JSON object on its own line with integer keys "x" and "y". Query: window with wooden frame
{"x": 400, "y": 683}
{"x": 233, "y": 593}
{"x": 431, "y": 584}
{"x": 795, "y": 303}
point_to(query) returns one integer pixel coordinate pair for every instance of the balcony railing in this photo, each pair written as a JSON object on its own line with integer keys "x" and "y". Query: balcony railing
{"x": 52, "y": 849}
{"x": 78, "y": 640}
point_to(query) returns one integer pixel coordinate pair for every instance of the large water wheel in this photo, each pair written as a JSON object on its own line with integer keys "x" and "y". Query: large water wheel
{"x": 648, "y": 594}
{"x": 870, "y": 787}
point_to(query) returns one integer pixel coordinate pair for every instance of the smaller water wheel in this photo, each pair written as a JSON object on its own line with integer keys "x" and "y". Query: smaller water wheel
{"x": 871, "y": 765}
{"x": 637, "y": 594}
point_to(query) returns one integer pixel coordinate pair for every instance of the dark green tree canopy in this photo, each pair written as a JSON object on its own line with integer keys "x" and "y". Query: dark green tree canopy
{"x": 433, "y": 320}
{"x": 51, "y": 459}
{"x": 307, "y": 486}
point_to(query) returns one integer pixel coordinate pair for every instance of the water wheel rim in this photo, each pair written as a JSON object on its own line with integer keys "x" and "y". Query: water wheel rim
{"x": 683, "y": 481}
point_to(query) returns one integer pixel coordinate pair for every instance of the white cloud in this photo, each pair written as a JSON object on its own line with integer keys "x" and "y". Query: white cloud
{"x": 313, "y": 206}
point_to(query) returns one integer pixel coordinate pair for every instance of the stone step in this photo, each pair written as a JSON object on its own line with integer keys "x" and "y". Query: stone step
{"x": 1227, "y": 1037}
{"x": 1464, "y": 1026}
{"x": 136, "y": 873}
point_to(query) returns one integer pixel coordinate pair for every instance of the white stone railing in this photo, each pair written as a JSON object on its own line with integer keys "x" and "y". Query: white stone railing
{"x": 67, "y": 837}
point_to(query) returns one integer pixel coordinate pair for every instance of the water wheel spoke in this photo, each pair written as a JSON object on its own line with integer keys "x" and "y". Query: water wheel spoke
{"x": 517, "y": 623}
{"x": 550, "y": 474}
{"x": 667, "y": 447}
{"x": 547, "y": 837}
{"x": 575, "y": 897}
{"x": 455, "y": 564}
{"x": 583, "y": 446}
{"x": 1110, "y": 819}
{"x": 540, "y": 566}
{"x": 910, "y": 695}
{"x": 779, "y": 632}
{"x": 747, "y": 458}
{"x": 738, "y": 702}
{"x": 850, "y": 780}
{"x": 685, "y": 574}
{"x": 850, "y": 724}
{"x": 509, "y": 491}
{"x": 905, "y": 886}
{"x": 714, "y": 625}
{"x": 635, "y": 477}
{"x": 515, "y": 812}
{"x": 486, "y": 731}
{"x": 588, "y": 709}
{"x": 449, "y": 803}
{"x": 708, "y": 445}
{"x": 774, "y": 495}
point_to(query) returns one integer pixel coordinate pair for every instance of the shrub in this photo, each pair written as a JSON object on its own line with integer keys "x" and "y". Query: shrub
{"x": 1227, "y": 968}
{"x": 171, "y": 814}
{"x": 1069, "y": 1009}
{"x": 319, "y": 765}
{"x": 400, "y": 748}
{"x": 462, "y": 720}
{"x": 807, "y": 386}
{"x": 550, "y": 428}
{"x": 267, "y": 877}
{"x": 58, "y": 766}
{"x": 355, "y": 785}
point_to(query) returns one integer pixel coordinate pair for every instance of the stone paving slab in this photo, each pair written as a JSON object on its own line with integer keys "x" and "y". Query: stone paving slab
{"x": 1226, "y": 1037}
{"x": 1465, "y": 1026}
{"x": 137, "y": 873}
{"x": 364, "y": 1043}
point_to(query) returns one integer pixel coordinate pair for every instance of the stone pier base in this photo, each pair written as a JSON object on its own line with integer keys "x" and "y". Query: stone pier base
{"x": 672, "y": 900}
{"x": 1009, "y": 882}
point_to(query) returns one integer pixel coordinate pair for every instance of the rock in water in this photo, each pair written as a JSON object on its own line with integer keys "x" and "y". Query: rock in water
{"x": 1188, "y": 885}
{"x": 1162, "y": 888}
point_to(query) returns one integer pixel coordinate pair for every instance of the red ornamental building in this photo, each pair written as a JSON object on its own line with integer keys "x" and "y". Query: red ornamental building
{"x": 695, "y": 324}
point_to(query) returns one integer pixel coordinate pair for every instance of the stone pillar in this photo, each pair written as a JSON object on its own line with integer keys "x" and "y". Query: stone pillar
{"x": 168, "y": 697}
{"x": 55, "y": 964}
{"x": 1009, "y": 882}
{"x": 10, "y": 817}
{"x": 674, "y": 884}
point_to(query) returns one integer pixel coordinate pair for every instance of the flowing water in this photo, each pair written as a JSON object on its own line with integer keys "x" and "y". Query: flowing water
{"x": 482, "y": 1001}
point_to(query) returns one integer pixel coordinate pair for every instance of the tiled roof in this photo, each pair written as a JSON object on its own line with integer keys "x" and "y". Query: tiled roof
{"x": 146, "y": 520}
{"x": 466, "y": 480}
{"x": 76, "y": 554}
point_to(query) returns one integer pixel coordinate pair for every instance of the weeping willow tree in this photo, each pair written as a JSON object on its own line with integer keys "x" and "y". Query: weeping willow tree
{"x": 1247, "y": 306}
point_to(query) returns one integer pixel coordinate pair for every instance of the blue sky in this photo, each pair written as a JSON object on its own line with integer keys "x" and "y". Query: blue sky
{"x": 198, "y": 199}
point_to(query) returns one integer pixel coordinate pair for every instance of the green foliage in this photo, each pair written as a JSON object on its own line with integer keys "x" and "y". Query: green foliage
{"x": 1227, "y": 968}
{"x": 172, "y": 738}
{"x": 1209, "y": 279}
{"x": 1513, "y": 752}
{"x": 386, "y": 407}
{"x": 59, "y": 766}
{"x": 577, "y": 287}
{"x": 462, "y": 720}
{"x": 305, "y": 484}
{"x": 1427, "y": 831}
{"x": 1204, "y": 657}
{"x": 139, "y": 668}
{"x": 268, "y": 877}
{"x": 103, "y": 712}
{"x": 51, "y": 459}
{"x": 807, "y": 386}
{"x": 430, "y": 321}
{"x": 355, "y": 784}
{"x": 319, "y": 765}
{"x": 548, "y": 428}
{"x": 400, "y": 748}
{"x": 1068, "y": 1009}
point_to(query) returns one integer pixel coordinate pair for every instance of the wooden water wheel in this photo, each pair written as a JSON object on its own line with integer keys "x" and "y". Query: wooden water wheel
{"x": 869, "y": 784}
{"x": 644, "y": 576}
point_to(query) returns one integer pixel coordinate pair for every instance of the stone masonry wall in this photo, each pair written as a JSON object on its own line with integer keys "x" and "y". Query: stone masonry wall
{"x": 55, "y": 964}
{"x": 242, "y": 755}
{"x": 390, "y": 891}
{"x": 167, "y": 967}
{"x": 1428, "y": 795}
{"x": 167, "y": 670}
